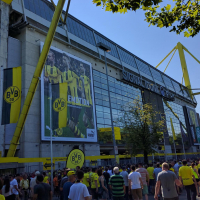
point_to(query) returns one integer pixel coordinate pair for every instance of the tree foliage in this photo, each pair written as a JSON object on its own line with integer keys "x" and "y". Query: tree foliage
{"x": 183, "y": 16}
{"x": 143, "y": 128}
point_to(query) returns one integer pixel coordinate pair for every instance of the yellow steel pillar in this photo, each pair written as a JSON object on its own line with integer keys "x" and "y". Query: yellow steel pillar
{"x": 35, "y": 79}
{"x": 184, "y": 68}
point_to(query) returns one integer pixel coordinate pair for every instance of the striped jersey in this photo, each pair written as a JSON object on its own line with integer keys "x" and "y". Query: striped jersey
{"x": 117, "y": 183}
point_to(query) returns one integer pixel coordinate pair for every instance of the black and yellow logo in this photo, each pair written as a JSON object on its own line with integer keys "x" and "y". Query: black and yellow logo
{"x": 12, "y": 94}
{"x": 59, "y": 104}
{"x": 59, "y": 131}
{"x": 76, "y": 158}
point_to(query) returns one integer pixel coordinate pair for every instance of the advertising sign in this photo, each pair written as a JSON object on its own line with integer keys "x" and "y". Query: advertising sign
{"x": 66, "y": 84}
{"x": 76, "y": 158}
{"x": 198, "y": 133}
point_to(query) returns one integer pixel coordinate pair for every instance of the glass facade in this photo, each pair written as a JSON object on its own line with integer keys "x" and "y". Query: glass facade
{"x": 120, "y": 94}
{"x": 178, "y": 109}
{"x": 45, "y": 9}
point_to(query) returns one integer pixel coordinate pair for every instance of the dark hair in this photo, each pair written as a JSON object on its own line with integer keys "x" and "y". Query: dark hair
{"x": 106, "y": 169}
{"x": 140, "y": 164}
{"x": 65, "y": 55}
{"x": 40, "y": 178}
{"x": 193, "y": 164}
{"x": 44, "y": 173}
{"x": 7, "y": 184}
{"x": 80, "y": 175}
{"x": 158, "y": 165}
{"x": 99, "y": 172}
{"x": 133, "y": 167}
{"x": 184, "y": 162}
{"x": 94, "y": 169}
{"x": 150, "y": 165}
{"x": 78, "y": 167}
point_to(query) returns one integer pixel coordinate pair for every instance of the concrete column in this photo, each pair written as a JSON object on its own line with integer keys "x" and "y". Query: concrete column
{"x": 4, "y": 24}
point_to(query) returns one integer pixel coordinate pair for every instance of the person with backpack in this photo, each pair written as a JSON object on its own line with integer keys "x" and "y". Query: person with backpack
{"x": 24, "y": 185}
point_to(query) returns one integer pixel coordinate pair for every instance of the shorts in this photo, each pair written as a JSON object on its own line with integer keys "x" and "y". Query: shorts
{"x": 152, "y": 182}
{"x": 145, "y": 190}
{"x": 94, "y": 193}
{"x": 104, "y": 195}
{"x": 137, "y": 193}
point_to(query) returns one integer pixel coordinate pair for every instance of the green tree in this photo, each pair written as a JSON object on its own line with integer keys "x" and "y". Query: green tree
{"x": 183, "y": 16}
{"x": 143, "y": 128}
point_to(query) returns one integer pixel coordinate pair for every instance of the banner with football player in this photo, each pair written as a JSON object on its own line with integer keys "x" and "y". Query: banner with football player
{"x": 11, "y": 95}
{"x": 72, "y": 97}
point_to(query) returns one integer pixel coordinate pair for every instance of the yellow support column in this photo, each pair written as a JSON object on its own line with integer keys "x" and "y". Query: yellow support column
{"x": 184, "y": 68}
{"x": 35, "y": 79}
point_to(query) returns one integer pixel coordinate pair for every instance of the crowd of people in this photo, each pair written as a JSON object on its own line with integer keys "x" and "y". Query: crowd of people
{"x": 161, "y": 180}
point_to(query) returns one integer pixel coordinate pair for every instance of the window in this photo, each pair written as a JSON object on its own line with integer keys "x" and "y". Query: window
{"x": 156, "y": 74}
{"x": 143, "y": 67}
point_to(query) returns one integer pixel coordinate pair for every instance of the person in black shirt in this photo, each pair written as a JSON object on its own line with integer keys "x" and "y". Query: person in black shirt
{"x": 107, "y": 177}
{"x": 42, "y": 191}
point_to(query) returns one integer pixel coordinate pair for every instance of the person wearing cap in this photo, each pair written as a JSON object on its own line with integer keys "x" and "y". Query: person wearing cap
{"x": 66, "y": 188}
{"x": 33, "y": 183}
{"x": 124, "y": 174}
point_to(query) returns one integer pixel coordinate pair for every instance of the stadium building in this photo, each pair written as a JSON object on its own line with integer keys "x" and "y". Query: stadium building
{"x": 74, "y": 56}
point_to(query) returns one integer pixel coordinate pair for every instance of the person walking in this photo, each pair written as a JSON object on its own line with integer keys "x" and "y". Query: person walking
{"x": 94, "y": 184}
{"x": 103, "y": 190}
{"x": 187, "y": 177}
{"x": 167, "y": 180}
{"x": 42, "y": 191}
{"x": 14, "y": 183}
{"x": 145, "y": 179}
{"x": 107, "y": 177}
{"x": 150, "y": 170}
{"x": 124, "y": 174}
{"x": 7, "y": 189}
{"x": 156, "y": 171}
{"x": 33, "y": 183}
{"x": 68, "y": 184}
{"x": 117, "y": 186}
{"x": 78, "y": 190}
{"x": 135, "y": 184}
{"x": 24, "y": 185}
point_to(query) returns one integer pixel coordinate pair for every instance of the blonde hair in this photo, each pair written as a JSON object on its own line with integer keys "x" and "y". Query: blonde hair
{"x": 165, "y": 165}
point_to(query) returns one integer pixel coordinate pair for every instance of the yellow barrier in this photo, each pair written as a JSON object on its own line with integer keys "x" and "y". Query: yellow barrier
{"x": 91, "y": 158}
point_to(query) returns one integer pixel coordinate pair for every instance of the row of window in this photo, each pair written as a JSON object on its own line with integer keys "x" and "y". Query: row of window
{"x": 46, "y": 11}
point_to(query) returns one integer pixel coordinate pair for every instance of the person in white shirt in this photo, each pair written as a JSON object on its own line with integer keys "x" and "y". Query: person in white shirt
{"x": 14, "y": 183}
{"x": 135, "y": 184}
{"x": 33, "y": 183}
{"x": 79, "y": 191}
{"x": 7, "y": 189}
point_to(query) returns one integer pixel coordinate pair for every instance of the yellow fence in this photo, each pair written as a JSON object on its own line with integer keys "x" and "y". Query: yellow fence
{"x": 91, "y": 158}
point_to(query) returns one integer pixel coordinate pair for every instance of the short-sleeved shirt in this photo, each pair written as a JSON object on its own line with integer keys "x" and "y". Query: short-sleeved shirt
{"x": 107, "y": 176}
{"x": 78, "y": 191}
{"x": 167, "y": 181}
{"x": 43, "y": 191}
{"x": 14, "y": 183}
{"x": 55, "y": 181}
{"x": 86, "y": 176}
{"x": 66, "y": 189}
{"x": 156, "y": 171}
{"x": 125, "y": 177}
{"x": 45, "y": 179}
{"x": 171, "y": 169}
{"x": 94, "y": 178}
{"x": 117, "y": 183}
{"x": 135, "y": 180}
{"x": 143, "y": 173}
{"x": 186, "y": 173}
{"x": 150, "y": 171}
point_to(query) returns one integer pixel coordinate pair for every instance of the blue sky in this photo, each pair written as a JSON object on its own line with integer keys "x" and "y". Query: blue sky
{"x": 151, "y": 44}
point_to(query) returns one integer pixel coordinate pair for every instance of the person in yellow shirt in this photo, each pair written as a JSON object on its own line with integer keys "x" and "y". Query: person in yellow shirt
{"x": 46, "y": 178}
{"x": 150, "y": 171}
{"x": 86, "y": 179}
{"x": 94, "y": 184}
{"x": 187, "y": 177}
{"x": 171, "y": 168}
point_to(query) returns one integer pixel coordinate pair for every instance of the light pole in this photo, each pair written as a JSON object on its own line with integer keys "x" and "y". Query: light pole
{"x": 106, "y": 48}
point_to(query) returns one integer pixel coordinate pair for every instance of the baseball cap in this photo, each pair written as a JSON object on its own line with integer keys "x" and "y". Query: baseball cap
{"x": 37, "y": 173}
{"x": 70, "y": 173}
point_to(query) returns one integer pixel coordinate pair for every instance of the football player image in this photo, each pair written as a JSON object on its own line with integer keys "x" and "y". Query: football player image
{"x": 70, "y": 77}
{"x": 52, "y": 73}
{"x": 87, "y": 87}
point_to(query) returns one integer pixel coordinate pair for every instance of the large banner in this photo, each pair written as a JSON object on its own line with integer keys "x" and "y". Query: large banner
{"x": 71, "y": 104}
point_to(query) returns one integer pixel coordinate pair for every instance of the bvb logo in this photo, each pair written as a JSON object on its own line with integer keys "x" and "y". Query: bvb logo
{"x": 12, "y": 94}
{"x": 59, "y": 131}
{"x": 76, "y": 158}
{"x": 59, "y": 104}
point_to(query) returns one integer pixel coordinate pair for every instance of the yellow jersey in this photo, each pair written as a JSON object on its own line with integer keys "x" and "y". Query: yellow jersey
{"x": 2, "y": 197}
{"x": 150, "y": 171}
{"x": 87, "y": 89}
{"x": 46, "y": 179}
{"x": 94, "y": 177}
{"x": 171, "y": 169}
{"x": 186, "y": 173}
{"x": 53, "y": 73}
{"x": 86, "y": 176}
